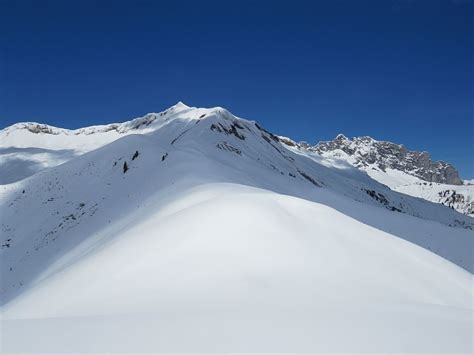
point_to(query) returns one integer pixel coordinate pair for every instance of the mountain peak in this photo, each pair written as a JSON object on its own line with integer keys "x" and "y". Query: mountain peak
{"x": 180, "y": 105}
{"x": 341, "y": 137}
{"x": 367, "y": 152}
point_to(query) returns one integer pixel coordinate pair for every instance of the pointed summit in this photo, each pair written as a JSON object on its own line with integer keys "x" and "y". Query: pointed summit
{"x": 180, "y": 105}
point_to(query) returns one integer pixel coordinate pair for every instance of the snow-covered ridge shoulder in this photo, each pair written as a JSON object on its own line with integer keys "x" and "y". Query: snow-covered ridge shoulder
{"x": 27, "y": 148}
{"x": 125, "y": 127}
{"x": 368, "y": 152}
{"x": 41, "y": 128}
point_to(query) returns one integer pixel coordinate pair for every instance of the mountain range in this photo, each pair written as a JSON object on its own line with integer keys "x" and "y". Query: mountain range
{"x": 194, "y": 230}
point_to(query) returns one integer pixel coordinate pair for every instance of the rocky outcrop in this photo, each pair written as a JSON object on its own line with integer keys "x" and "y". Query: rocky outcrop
{"x": 366, "y": 152}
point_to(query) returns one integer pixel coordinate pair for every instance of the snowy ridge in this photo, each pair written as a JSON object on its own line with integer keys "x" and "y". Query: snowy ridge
{"x": 216, "y": 222}
{"x": 139, "y": 123}
{"x": 26, "y": 148}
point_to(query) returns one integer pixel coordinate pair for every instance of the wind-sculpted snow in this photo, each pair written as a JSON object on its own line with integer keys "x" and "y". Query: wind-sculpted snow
{"x": 224, "y": 267}
{"x": 213, "y": 220}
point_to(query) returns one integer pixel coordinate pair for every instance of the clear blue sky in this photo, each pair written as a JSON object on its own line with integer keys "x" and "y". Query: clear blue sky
{"x": 395, "y": 70}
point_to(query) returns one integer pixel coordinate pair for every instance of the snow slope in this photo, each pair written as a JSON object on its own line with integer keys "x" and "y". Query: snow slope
{"x": 29, "y": 147}
{"x": 459, "y": 197}
{"x": 25, "y": 150}
{"x": 231, "y": 268}
{"x": 222, "y": 237}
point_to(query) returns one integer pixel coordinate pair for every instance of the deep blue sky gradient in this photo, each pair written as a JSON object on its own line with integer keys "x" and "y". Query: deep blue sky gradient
{"x": 394, "y": 70}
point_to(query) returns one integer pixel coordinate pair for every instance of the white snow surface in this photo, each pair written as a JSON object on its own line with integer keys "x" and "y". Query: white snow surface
{"x": 435, "y": 192}
{"x": 29, "y": 147}
{"x": 221, "y": 238}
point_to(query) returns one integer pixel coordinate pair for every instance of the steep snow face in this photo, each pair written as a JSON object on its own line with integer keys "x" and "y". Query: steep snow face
{"x": 412, "y": 173}
{"x": 207, "y": 221}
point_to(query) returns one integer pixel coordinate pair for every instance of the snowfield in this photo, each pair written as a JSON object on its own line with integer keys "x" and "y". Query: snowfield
{"x": 204, "y": 232}
{"x": 461, "y": 198}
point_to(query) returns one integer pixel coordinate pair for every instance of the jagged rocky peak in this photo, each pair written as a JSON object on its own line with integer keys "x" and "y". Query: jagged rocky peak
{"x": 368, "y": 152}
{"x": 341, "y": 137}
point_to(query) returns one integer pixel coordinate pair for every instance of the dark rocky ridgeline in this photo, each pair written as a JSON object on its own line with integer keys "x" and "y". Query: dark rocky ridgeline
{"x": 228, "y": 147}
{"x": 39, "y": 128}
{"x": 232, "y": 129}
{"x": 368, "y": 151}
{"x": 381, "y": 198}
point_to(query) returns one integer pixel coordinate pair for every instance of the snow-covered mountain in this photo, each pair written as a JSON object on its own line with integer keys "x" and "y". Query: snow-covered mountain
{"x": 409, "y": 172}
{"x": 198, "y": 231}
{"x": 29, "y": 147}
{"x": 368, "y": 152}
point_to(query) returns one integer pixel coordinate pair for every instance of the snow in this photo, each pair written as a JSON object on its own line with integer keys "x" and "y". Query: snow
{"x": 435, "y": 192}
{"x": 222, "y": 238}
{"x": 26, "y": 150}
{"x": 224, "y": 266}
